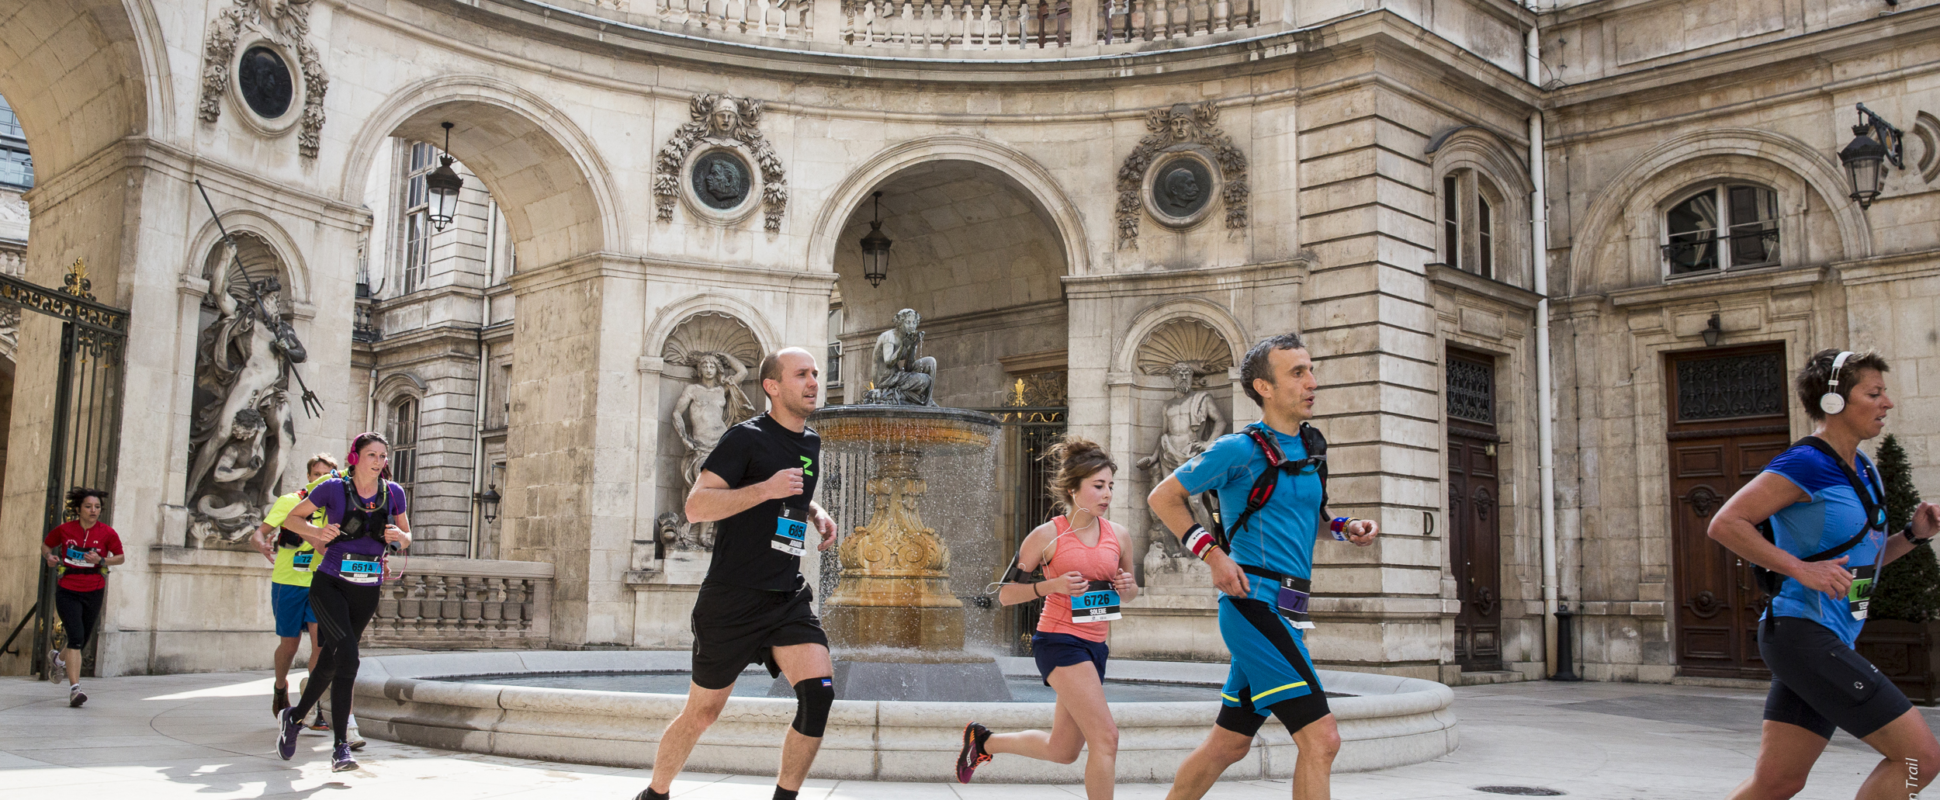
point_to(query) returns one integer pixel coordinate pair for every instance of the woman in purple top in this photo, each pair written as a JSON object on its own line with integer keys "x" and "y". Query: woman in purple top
{"x": 366, "y": 519}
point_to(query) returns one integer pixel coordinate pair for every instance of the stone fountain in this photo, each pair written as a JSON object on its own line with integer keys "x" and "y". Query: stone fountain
{"x": 896, "y": 624}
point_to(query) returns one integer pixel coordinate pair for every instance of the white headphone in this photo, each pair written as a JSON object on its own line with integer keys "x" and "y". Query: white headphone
{"x": 1831, "y": 402}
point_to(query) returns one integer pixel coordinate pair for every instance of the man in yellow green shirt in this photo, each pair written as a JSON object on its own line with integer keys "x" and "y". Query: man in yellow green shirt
{"x": 292, "y": 560}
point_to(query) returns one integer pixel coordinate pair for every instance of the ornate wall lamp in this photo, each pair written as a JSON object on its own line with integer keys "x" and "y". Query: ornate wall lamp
{"x": 488, "y": 500}
{"x": 875, "y": 249}
{"x": 443, "y": 183}
{"x": 1865, "y": 157}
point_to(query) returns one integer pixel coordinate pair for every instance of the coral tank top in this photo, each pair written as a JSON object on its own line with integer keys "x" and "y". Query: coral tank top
{"x": 1096, "y": 563}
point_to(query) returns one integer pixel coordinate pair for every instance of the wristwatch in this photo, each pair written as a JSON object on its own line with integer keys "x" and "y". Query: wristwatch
{"x": 1917, "y": 542}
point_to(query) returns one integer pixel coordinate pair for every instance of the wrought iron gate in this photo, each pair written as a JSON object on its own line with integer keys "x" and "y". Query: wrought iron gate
{"x": 86, "y": 426}
{"x": 1028, "y": 432}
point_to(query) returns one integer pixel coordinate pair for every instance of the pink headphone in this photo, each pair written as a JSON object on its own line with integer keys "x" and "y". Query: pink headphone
{"x": 350, "y": 459}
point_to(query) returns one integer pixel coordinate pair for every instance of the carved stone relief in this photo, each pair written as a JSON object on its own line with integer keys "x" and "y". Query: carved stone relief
{"x": 722, "y": 352}
{"x": 1170, "y": 174}
{"x": 285, "y": 23}
{"x": 241, "y": 434}
{"x": 1187, "y": 350}
{"x": 725, "y": 133}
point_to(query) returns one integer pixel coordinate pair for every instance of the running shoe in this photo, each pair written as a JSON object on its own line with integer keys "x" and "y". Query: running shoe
{"x": 287, "y": 726}
{"x": 972, "y": 755}
{"x": 56, "y": 666}
{"x": 279, "y": 699}
{"x": 355, "y": 740}
{"x": 320, "y": 723}
{"x": 340, "y": 758}
{"x": 75, "y": 697}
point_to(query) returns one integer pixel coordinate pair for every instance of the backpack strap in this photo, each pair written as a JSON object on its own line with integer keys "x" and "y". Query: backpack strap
{"x": 1269, "y": 479}
{"x": 1771, "y": 581}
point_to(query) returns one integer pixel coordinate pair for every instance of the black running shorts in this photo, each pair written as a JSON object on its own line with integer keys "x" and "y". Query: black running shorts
{"x": 80, "y": 614}
{"x": 735, "y": 627}
{"x": 1819, "y": 683}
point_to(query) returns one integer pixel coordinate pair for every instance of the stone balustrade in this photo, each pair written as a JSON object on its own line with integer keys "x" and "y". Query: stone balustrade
{"x": 987, "y": 26}
{"x": 465, "y": 603}
{"x": 778, "y": 19}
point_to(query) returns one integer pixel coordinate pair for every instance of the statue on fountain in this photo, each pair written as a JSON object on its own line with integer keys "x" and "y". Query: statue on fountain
{"x": 901, "y": 376}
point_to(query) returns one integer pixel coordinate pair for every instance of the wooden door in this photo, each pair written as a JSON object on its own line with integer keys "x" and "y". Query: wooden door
{"x": 1474, "y": 511}
{"x": 1727, "y": 412}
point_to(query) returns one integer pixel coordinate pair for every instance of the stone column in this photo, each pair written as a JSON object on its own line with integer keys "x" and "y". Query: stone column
{"x": 1369, "y": 323}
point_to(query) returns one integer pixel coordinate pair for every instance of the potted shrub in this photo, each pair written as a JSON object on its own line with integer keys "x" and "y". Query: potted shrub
{"x": 1902, "y": 634}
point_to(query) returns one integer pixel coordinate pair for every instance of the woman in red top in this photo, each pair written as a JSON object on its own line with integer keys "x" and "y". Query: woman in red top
{"x": 80, "y": 548}
{"x": 1087, "y": 569}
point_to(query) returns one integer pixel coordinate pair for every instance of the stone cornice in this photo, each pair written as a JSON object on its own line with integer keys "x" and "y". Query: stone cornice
{"x": 1181, "y": 281}
{"x": 642, "y": 267}
{"x": 1893, "y": 267}
{"x": 144, "y": 153}
{"x": 1706, "y": 71}
{"x": 1747, "y": 282}
{"x": 1469, "y": 283}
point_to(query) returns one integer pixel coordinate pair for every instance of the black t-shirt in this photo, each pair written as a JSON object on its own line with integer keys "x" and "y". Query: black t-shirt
{"x": 750, "y": 453}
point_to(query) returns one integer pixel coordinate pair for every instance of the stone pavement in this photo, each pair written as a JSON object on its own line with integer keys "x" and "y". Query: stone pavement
{"x": 211, "y": 736}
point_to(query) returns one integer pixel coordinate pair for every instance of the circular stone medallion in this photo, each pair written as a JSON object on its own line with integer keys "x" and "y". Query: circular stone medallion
{"x": 1181, "y": 187}
{"x": 721, "y": 180}
{"x": 266, "y": 82}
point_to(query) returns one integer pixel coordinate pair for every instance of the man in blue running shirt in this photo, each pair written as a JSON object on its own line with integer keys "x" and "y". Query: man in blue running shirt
{"x": 1265, "y": 574}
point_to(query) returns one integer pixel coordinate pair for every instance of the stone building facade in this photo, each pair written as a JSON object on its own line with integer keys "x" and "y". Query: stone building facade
{"x": 1084, "y": 205}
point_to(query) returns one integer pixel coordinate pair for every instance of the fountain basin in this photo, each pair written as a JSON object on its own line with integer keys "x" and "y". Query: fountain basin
{"x": 1389, "y": 721}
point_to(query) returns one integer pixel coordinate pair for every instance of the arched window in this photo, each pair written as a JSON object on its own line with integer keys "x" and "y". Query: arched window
{"x": 402, "y": 430}
{"x": 1468, "y": 210}
{"x": 417, "y": 217}
{"x": 1721, "y": 227}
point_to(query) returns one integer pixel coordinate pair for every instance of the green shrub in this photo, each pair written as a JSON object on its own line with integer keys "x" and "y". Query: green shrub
{"x": 1909, "y": 588}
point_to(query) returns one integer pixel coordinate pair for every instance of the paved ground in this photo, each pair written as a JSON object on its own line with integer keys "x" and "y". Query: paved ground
{"x": 211, "y": 736}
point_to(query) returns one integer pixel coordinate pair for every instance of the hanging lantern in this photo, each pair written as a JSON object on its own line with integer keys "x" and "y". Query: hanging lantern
{"x": 875, "y": 249}
{"x": 443, "y": 184}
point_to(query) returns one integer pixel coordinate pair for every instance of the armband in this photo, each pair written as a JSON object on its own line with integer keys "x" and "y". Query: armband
{"x": 1339, "y": 525}
{"x": 1015, "y": 575}
{"x": 1198, "y": 540}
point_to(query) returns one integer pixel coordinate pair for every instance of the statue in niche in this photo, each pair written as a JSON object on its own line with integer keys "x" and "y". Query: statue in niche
{"x": 677, "y": 535}
{"x": 1192, "y": 422}
{"x": 242, "y": 430}
{"x": 708, "y": 407}
{"x": 901, "y": 375}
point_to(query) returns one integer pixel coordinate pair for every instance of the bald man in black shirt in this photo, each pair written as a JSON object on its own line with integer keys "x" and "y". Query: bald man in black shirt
{"x": 754, "y": 604}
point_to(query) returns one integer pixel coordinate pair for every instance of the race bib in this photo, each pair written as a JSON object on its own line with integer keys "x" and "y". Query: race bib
{"x": 1099, "y": 603}
{"x": 76, "y": 557}
{"x": 1291, "y": 601}
{"x": 302, "y": 560}
{"x": 361, "y": 570}
{"x": 791, "y": 531}
{"x": 1861, "y": 594}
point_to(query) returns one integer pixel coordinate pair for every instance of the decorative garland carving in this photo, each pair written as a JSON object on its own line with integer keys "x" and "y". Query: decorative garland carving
{"x": 726, "y": 119}
{"x": 1168, "y": 128}
{"x": 285, "y": 22}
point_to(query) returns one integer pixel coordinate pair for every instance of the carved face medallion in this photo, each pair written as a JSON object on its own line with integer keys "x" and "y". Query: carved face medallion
{"x": 721, "y": 179}
{"x": 1181, "y": 187}
{"x": 265, "y": 82}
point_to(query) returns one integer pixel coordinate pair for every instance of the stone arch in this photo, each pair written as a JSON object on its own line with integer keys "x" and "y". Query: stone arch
{"x": 116, "y": 85}
{"x": 663, "y": 325}
{"x": 539, "y": 165}
{"x": 1501, "y": 173}
{"x": 243, "y": 222}
{"x": 1029, "y": 177}
{"x": 1147, "y": 322}
{"x": 1754, "y": 154}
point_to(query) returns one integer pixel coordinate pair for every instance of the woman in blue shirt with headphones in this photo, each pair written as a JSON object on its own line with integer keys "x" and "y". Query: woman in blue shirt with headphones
{"x": 1816, "y": 520}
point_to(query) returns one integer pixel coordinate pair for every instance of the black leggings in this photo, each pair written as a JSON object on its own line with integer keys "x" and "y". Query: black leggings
{"x": 79, "y": 611}
{"x": 342, "y": 609}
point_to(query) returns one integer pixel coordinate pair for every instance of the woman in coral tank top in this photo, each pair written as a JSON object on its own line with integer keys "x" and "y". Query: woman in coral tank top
{"x": 1087, "y": 574}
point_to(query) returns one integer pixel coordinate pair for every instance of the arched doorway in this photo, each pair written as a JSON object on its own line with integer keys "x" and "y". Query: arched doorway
{"x": 981, "y": 258}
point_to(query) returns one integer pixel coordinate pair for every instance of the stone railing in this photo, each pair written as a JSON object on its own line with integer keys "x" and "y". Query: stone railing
{"x": 778, "y": 19}
{"x": 966, "y": 25}
{"x": 959, "y": 24}
{"x": 1154, "y": 20}
{"x": 465, "y": 603}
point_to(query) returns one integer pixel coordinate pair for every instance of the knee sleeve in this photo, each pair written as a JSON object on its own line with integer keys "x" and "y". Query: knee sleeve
{"x": 813, "y": 697}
